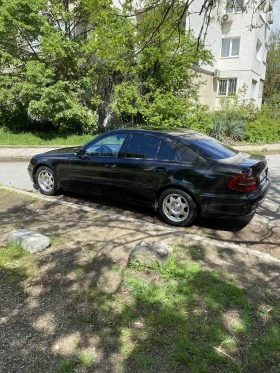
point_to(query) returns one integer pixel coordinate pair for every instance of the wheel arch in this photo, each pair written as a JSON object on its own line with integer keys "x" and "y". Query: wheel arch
{"x": 37, "y": 166}
{"x": 180, "y": 187}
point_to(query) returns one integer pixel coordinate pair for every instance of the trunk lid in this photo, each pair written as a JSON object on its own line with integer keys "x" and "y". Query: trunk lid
{"x": 243, "y": 162}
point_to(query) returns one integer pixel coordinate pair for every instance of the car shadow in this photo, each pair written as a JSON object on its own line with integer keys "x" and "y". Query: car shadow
{"x": 146, "y": 213}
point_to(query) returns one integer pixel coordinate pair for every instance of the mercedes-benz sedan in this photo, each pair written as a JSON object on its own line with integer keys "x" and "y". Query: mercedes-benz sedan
{"x": 182, "y": 174}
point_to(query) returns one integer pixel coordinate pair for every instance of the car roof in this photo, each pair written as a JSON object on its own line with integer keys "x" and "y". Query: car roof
{"x": 186, "y": 133}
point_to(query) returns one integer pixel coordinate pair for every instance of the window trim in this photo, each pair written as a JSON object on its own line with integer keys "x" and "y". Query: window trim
{"x": 230, "y": 47}
{"x": 227, "y": 87}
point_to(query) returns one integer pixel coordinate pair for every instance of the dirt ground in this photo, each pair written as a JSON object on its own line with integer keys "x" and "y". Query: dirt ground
{"x": 42, "y": 320}
{"x": 262, "y": 233}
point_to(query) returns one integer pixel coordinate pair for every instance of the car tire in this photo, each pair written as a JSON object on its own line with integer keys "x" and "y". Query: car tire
{"x": 47, "y": 181}
{"x": 177, "y": 207}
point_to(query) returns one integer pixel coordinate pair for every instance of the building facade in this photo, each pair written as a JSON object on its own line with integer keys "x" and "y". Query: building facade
{"x": 239, "y": 52}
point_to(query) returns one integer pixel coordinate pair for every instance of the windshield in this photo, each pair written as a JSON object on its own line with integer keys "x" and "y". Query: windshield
{"x": 210, "y": 148}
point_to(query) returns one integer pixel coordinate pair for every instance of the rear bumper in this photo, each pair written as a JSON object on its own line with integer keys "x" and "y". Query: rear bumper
{"x": 239, "y": 204}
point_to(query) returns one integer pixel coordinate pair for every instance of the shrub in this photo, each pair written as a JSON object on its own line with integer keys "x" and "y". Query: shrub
{"x": 228, "y": 130}
{"x": 263, "y": 130}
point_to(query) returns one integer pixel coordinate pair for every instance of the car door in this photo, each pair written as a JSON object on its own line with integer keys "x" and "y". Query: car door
{"x": 95, "y": 169}
{"x": 144, "y": 167}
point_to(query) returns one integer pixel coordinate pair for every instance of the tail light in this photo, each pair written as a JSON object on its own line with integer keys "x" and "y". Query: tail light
{"x": 244, "y": 182}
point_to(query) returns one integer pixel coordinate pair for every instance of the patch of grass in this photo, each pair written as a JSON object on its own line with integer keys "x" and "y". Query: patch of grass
{"x": 15, "y": 264}
{"x": 41, "y": 139}
{"x": 67, "y": 366}
{"x": 184, "y": 315}
{"x": 57, "y": 240}
{"x": 86, "y": 359}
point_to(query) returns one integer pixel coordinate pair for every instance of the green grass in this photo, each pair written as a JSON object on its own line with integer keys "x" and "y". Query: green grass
{"x": 84, "y": 360}
{"x": 15, "y": 264}
{"x": 8, "y": 138}
{"x": 184, "y": 314}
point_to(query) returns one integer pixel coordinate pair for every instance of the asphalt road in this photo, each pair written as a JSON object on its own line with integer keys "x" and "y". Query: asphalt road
{"x": 14, "y": 174}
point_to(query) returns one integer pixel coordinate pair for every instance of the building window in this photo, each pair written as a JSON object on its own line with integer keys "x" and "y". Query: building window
{"x": 234, "y": 6}
{"x": 258, "y": 50}
{"x": 227, "y": 87}
{"x": 261, "y": 89}
{"x": 230, "y": 47}
{"x": 253, "y": 89}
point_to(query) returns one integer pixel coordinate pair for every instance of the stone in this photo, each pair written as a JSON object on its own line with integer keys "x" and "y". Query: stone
{"x": 149, "y": 253}
{"x": 30, "y": 241}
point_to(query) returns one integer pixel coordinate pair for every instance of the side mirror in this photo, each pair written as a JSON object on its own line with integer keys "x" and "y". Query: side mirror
{"x": 79, "y": 152}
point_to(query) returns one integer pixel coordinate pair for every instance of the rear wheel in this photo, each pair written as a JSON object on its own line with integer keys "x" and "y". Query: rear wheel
{"x": 177, "y": 207}
{"x": 47, "y": 181}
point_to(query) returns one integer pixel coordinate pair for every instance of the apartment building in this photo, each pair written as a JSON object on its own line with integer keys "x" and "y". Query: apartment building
{"x": 239, "y": 49}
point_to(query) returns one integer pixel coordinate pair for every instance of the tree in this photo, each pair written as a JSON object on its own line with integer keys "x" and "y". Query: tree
{"x": 62, "y": 62}
{"x": 272, "y": 80}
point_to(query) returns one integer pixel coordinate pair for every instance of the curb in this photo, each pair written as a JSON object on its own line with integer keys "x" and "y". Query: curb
{"x": 189, "y": 236}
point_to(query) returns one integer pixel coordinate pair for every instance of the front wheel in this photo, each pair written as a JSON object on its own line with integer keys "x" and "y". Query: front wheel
{"x": 47, "y": 181}
{"x": 177, "y": 207}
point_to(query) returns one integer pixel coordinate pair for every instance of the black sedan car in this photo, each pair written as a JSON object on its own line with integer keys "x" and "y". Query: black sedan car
{"x": 182, "y": 174}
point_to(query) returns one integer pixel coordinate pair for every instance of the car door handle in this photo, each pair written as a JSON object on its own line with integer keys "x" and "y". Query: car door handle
{"x": 110, "y": 165}
{"x": 160, "y": 170}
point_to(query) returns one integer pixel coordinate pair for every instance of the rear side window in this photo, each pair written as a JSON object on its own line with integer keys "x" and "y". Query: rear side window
{"x": 142, "y": 146}
{"x": 210, "y": 149}
{"x": 166, "y": 152}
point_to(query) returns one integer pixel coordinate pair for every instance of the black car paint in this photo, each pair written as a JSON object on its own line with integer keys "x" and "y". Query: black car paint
{"x": 142, "y": 180}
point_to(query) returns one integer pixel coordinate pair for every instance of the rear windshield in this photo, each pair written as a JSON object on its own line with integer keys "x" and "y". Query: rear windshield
{"x": 211, "y": 148}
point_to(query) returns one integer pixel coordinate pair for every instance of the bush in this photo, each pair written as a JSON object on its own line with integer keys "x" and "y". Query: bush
{"x": 263, "y": 130}
{"x": 228, "y": 130}
{"x": 266, "y": 126}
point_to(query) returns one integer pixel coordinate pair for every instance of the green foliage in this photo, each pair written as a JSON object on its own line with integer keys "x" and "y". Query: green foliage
{"x": 272, "y": 79}
{"x": 60, "y": 105}
{"x": 15, "y": 264}
{"x": 162, "y": 89}
{"x": 41, "y": 138}
{"x": 228, "y": 129}
{"x": 229, "y": 121}
{"x": 59, "y": 74}
{"x": 263, "y": 130}
{"x": 184, "y": 309}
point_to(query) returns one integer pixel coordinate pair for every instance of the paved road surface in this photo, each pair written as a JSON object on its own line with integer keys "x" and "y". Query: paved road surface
{"x": 15, "y": 174}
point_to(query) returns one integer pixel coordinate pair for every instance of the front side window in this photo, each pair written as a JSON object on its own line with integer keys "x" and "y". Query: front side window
{"x": 230, "y": 47}
{"x": 227, "y": 87}
{"x": 142, "y": 146}
{"x": 107, "y": 146}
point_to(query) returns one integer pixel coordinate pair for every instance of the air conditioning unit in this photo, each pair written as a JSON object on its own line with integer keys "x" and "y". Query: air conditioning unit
{"x": 226, "y": 18}
{"x": 270, "y": 18}
{"x": 217, "y": 73}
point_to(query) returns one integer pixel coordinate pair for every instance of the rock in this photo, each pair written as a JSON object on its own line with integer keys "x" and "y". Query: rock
{"x": 30, "y": 241}
{"x": 148, "y": 253}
